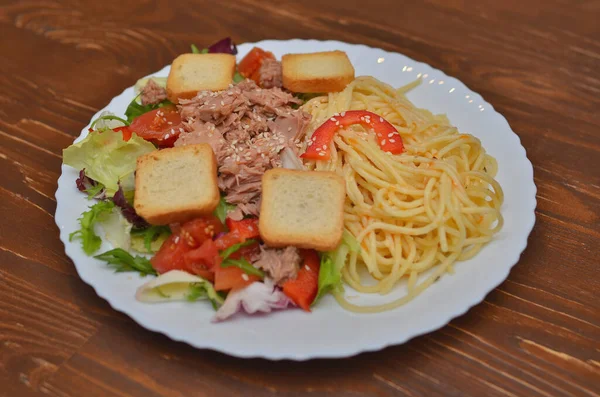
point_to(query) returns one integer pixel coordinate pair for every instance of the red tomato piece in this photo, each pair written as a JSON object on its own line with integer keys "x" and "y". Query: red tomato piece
{"x": 170, "y": 256}
{"x": 227, "y": 278}
{"x": 160, "y": 126}
{"x": 303, "y": 290}
{"x": 387, "y": 136}
{"x": 251, "y": 63}
{"x": 196, "y": 231}
{"x": 246, "y": 228}
{"x": 227, "y": 240}
{"x": 204, "y": 257}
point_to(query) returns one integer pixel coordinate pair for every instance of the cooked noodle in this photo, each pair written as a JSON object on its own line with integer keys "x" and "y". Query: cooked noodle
{"x": 434, "y": 204}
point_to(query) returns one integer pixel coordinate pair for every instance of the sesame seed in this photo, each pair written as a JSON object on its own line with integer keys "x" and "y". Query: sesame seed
{"x": 322, "y": 153}
{"x": 318, "y": 149}
{"x": 324, "y": 147}
{"x": 307, "y": 268}
{"x": 245, "y": 277}
{"x": 383, "y": 142}
{"x": 167, "y": 136}
{"x": 392, "y": 140}
{"x": 381, "y": 119}
{"x": 169, "y": 122}
{"x": 343, "y": 114}
{"x": 172, "y": 131}
{"x": 391, "y": 134}
{"x": 262, "y": 155}
{"x": 176, "y": 240}
{"x": 333, "y": 119}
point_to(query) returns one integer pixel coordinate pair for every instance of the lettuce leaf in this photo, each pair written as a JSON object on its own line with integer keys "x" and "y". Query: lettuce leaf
{"x": 107, "y": 158}
{"x": 136, "y": 109}
{"x": 150, "y": 239}
{"x": 117, "y": 229}
{"x": 330, "y": 273}
{"x": 222, "y": 209}
{"x": 90, "y": 241}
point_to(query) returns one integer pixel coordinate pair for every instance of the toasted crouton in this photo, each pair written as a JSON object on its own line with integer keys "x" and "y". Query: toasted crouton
{"x": 304, "y": 209}
{"x": 177, "y": 184}
{"x": 191, "y": 73}
{"x": 317, "y": 72}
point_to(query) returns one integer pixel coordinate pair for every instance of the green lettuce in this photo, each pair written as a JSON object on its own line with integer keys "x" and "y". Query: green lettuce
{"x": 330, "y": 273}
{"x": 122, "y": 261}
{"x": 107, "y": 158}
{"x": 150, "y": 239}
{"x": 90, "y": 241}
{"x": 222, "y": 209}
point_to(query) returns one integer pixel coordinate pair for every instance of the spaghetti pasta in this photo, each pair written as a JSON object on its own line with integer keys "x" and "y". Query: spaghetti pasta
{"x": 420, "y": 211}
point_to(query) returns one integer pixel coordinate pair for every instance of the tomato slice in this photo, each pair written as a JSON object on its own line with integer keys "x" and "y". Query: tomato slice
{"x": 196, "y": 231}
{"x": 206, "y": 256}
{"x": 251, "y": 63}
{"x": 170, "y": 256}
{"x": 227, "y": 278}
{"x": 303, "y": 290}
{"x": 246, "y": 228}
{"x": 160, "y": 126}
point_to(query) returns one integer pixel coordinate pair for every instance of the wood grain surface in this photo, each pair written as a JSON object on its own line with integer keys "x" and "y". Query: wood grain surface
{"x": 536, "y": 61}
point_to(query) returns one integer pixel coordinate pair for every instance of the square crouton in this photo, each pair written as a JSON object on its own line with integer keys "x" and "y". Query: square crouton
{"x": 304, "y": 209}
{"x": 317, "y": 72}
{"x": 177, "y": 184}
{"x": 191, "y": 73}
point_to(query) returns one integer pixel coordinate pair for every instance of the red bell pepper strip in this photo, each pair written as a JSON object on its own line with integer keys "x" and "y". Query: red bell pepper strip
{"x": 387, "y": 136}
{"x": 246, "y": 228}
{"x": 303, "y": 289}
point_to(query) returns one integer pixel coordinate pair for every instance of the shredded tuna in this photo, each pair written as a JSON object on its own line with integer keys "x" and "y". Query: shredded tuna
{"x": 270, "y": 74}
{"x": 281, "y": 264}
{"x": 247, "y": 127}
{"x": 152, "y": 93}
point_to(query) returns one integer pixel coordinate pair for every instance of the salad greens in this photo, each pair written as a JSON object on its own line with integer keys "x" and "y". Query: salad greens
{"x": 149, "y": 236}
{"x": 195, "y": 50}
{"x": 238, "y": 78}
{"x": 136, "y": 109}
{"x": 241, "y": 263}
{"x": 94, "y": 191}
{"x": 108, "y": 117}
{"x": 204, "y": 290}
{"x": 178, "y": 285}
{"x": 107, "y": 158}
{"x": 122, "y": 261}
{"x": 244, "y": 265}
{"x": 90, "y": 241}
{"x": 330, "y": 277}
{"x": 117, "y": 229}
{"x": 226, "y": 253}
{"x": 222, "y": 209}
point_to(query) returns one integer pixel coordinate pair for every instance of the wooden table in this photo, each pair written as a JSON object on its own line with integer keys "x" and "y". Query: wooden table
{"x": 537, "y": 62}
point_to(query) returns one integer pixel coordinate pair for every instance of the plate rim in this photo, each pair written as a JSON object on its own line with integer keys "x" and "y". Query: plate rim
{"x": 442, "y": 320}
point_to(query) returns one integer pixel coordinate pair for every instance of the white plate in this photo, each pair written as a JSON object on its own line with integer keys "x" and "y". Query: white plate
{"x": 330, "y": 331}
